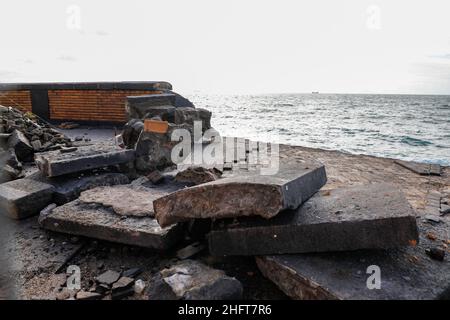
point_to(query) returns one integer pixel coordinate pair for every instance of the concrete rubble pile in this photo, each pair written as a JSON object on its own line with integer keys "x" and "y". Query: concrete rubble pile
{"x": 21, "y": 136}
{"x": 312, "y": 243}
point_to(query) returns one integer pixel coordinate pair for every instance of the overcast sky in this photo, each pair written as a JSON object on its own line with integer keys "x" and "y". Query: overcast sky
{"x": 232, "y": 46}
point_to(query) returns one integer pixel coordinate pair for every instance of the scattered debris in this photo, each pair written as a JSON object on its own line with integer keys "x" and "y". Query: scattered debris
{"x": 376, "y": 216}
{"x": 243, "y": 195}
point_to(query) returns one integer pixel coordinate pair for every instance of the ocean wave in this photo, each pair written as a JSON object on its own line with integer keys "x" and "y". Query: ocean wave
{"x": 415, "y": 141}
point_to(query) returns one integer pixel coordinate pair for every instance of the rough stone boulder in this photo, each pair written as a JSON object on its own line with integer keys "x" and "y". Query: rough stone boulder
{"x": 249, "y": 194}
{"x": 192, "y": 280}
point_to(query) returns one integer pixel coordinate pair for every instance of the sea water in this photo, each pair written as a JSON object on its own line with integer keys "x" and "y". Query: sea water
{"x": 409, "y": 127}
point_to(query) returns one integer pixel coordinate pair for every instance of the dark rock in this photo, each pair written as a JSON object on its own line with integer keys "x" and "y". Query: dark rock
{"x": 132, "y": 273}
{"x": 21, "y": 146}
{"x": 436, "y": 253}
{"x": 122, "y": 284}
{"x": 131, "y": 131}
{"x": 121, "y": 294}
{"x": 23, "y": 198}
{"x": 445, "y": 209}
{"x": 155, "y": 177}
{"x": 249, "y": 194}
{"x": 376, "y": 216}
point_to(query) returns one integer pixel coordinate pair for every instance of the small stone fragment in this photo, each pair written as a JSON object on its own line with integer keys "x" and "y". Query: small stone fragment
{"x": 436, "y": 253}
{"x": 108, "y": 277}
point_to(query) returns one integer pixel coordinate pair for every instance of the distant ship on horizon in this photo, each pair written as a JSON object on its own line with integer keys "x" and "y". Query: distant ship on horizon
{"x": 315, "y": 92}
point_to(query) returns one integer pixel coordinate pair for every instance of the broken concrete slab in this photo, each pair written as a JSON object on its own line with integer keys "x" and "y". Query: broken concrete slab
{"x": 424, "y": 169}
{"x": 54, "y": 163}
{"x": 248, "y": 194}
{"x": 94, "y": 221}
{"x": 192, "y": 280}
{"x": 375, "y": 216}
{"x": 125, "y": 200}
{"x": 21, "y": 146}
{"x": 68, "y": 188}
{"x": 23, "y": 198}
{"x": 405, "y": 273}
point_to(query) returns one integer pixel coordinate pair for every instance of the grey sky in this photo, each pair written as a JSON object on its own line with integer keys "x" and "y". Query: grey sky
{"x": 232, "y": 46}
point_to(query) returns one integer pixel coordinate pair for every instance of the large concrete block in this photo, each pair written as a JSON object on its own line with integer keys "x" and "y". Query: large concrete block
{"x": 404, "y": 273}
{"x": 55, "y": 163}
{"x": 98, "y": 222}
{"x": 375, "y": 216}
{"x": 23, "y": 198}
{"x": 192, "y": 280}
{"x": 244, "y": 194}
